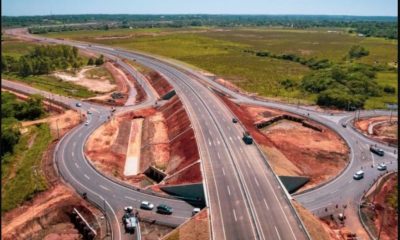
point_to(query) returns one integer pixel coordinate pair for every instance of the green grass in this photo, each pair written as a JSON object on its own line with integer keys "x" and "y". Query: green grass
{"x": 383, "y": 78}
{"x": 26, "y": 157}
{"x": 99, "y": 73}
{"x": 16, "y": 48}
{"x": 53, "y": 85}
{"x": 221, "y": 51}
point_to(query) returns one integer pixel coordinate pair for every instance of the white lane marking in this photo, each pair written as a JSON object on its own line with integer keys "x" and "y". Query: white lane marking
{"x": 241, "y": 150}
{"x": 74, "y": 144}
{"x": 104, "y": 187}
{"x": 133, "y": 199}
{"x": 209, "y": 142}
{"x": 219, "y": 157}
{"x": 230, "y": 138}
{"x": 266, "y": 204}
{"x": 218, "y": 142}
{"x": 255, "y": 179}
{"x": 72, "y": 154}
{"x": 234, "y": 215}
{"x": 239, "y": 138}
{"x": 373, "y": 159}
{"x": 76, "y": 165}
{"x": 223, "y": 171}
{"x": 229, "y": 191}
{"x": 86, "y": 176}
{"x": 277, "y": 233}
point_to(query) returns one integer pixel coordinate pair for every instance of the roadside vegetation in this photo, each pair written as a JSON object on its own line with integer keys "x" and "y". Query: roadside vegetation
{"x": 33, "y": 64}
{"x": 329, "y": 67}
{"x": 21, "y": 152}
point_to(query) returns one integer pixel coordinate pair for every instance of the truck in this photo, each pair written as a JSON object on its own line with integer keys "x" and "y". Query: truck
{"x": 129, "y": 220}
{"x": 247, "y": 138}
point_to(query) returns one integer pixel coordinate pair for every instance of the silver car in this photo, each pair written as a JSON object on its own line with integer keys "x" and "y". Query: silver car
{"x": 146, "y": 205}
{"x": 381, "y": 167}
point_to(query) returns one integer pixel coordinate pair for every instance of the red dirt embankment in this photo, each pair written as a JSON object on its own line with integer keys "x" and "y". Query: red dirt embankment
{"x": 385, "y": 132}
{"x": 167, "y": 143}
{"x": 159, "y": 83}
{"x": 292, "y": 148}
{"x": 384, "y": 199}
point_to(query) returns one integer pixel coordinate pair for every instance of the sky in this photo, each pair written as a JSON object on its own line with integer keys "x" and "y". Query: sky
{"x": 306, "y": 7}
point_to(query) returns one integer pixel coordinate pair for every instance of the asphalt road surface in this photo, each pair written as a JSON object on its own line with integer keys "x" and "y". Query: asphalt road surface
{"x": 246, "y": 199}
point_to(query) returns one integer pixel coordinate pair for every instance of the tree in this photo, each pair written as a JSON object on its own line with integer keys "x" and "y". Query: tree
{"x": 100, "y": 60}
{"x": 4, "y": 64}
{"x": 25, "y": 67}
{"x": 358, "y": 51}
{"x": 75, "y": 51}
{"x": 9, "y": 134}
{"x": 90, "y": 61}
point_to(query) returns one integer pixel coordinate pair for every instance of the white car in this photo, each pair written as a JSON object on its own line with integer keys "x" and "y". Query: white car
{"x": 146, "y": 205}
{"x": 381, "y": 167}
{"x": 79, "y": 104}
{"x": 195, "y": 211}
{"x": 86, "y": 123}
{"x": 358, "y": 175}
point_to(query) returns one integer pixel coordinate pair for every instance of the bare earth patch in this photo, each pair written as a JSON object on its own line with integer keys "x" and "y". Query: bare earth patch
{"x": 293, "y": 149}
{"x": 382, "y": 128}
{"x": 97, "y": 85}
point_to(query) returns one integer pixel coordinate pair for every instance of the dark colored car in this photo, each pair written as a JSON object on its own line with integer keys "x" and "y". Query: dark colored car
{"x": 377, "y": 151}
{"x": 344, "y": 125}
{"x": 164, "y": 209}
{"x": 234, "y": 120}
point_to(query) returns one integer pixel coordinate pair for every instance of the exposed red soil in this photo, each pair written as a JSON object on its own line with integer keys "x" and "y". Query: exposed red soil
{"x": 383, "y": 209}
{"x": 159, "y": 83}
{"x": 293, "y": 149}
{"x": 189, "y": 175}
{"x": 140, "y": 93}
{"x": 46, "y": 216}
{"x": 385, "y": 132}
{"x": 195, "y": 228}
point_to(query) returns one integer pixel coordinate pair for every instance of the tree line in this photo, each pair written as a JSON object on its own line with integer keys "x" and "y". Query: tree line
{"x": 45, "y": 59}
{"x": 385, "y": 27}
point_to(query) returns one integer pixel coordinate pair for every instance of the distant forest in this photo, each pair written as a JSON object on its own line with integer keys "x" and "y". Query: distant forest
{"x": 375, "y": 26}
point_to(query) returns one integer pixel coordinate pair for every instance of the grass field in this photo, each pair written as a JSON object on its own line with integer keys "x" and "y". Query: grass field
{"x": 222, "y": 52}
{"x": 384, "y": 78}
{"x": 16, "y": 48}
{"x": 21, "y": 175}
{"x": 53, "y": 85}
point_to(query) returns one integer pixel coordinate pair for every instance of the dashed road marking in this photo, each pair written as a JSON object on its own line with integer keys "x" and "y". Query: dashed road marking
{"x": 266, "y": 204}
{"x": 234, "y": 215}
{"x": 86, "y": 176}
{"x": 223, "y": 171}
{"x": 277, "y": 233}
{"x": 255, "y": 179}
{"x": 76, "y": 165}
{"x": 104, "y": 187}
{"x": 229, "y": 191}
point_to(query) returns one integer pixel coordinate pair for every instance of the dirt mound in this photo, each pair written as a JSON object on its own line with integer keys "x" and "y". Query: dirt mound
{"x": 196, "y": 228}
{"x": 382, "y": 128}
{"x": 47, "y": 216}
{"x": 295, "y": 148}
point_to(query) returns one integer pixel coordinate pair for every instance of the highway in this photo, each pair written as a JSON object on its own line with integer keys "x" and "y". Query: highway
{"x": 246, "y": 199}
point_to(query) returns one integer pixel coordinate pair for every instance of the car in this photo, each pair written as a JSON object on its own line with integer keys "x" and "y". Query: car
{"x": 86, "y": 123}
{"x": 381, "y": 167}
{"x": 358, "y": 175}
{"x": 89, "y": 112}
{"x": 128, "y": 209}
{"x": 195, "y": 211}
{"x": 377, "y": 151}
{"x": 234, "y": 120}
{"x": 344, "y": 125}
{"x": 78, "y": 104}
{"x": 146, "y": 205}
{"x": 164, "y": 209}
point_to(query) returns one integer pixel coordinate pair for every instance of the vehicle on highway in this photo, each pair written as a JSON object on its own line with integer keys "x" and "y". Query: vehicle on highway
{"x": 146, "y": 205}
{"x": 195, "y": 211}
{"x": 78, "y": 104}
{"x": 89, "y": 112}
{"x": 86, "y": 123}
{"x": 164, "y": 209}
{"x": 247, "y": 138}
{"x": 129, "y": 220}
{"x": 377, "y": 151}
{"x": 234, "y": 120}
{"x": 381, "y": 167}
{"x": 358, "y": 175}
{"x": 344, "y": 125}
